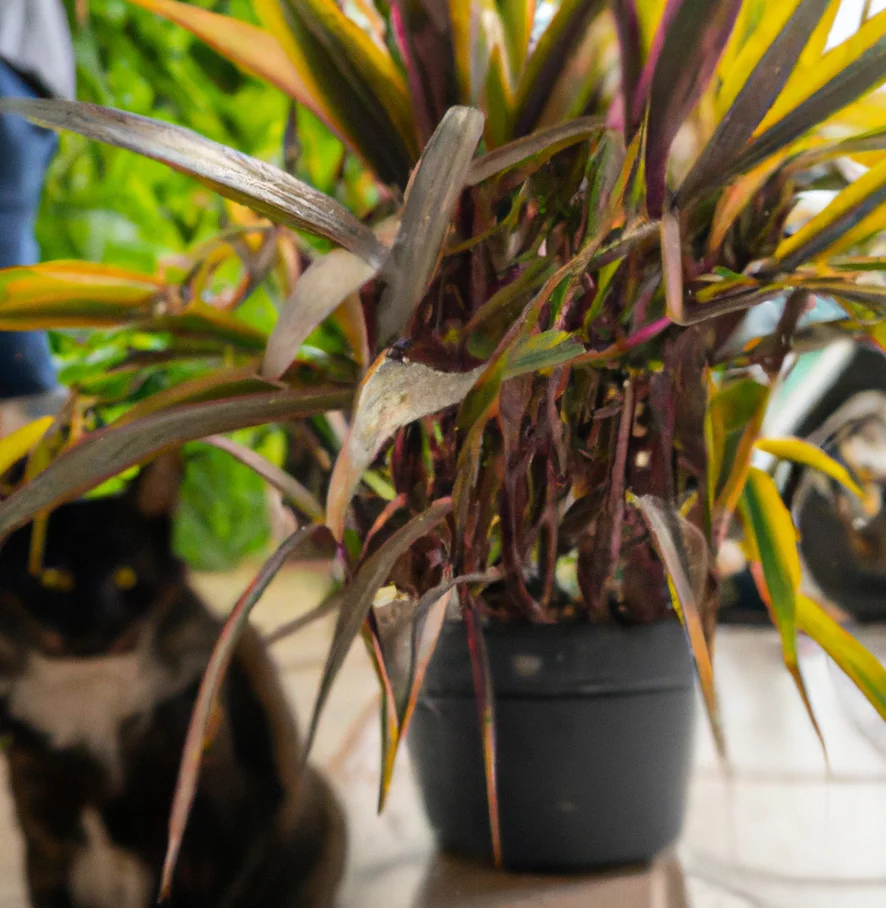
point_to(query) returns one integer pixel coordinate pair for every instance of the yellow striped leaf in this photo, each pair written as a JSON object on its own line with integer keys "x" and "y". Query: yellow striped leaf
{"x": 849, "y": 208}
{"x": 861, "y": 666}
{"x": 20, "y": 442}
{"x": 802, "y": 452}
{"x": 773, "y": 541}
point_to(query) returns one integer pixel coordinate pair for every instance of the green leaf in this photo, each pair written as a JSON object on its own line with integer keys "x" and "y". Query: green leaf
{"x": 290, "y": 487}
{"x": 359, "y": 595}
{"x": 260, "y": 186}
{"x": 253, "y": 49}
{"x": 499, "y": 100}
{"x": 434, "y": 191}
{"x": 218, "y": 385}
{"x": 208, "y": 697}
{"x": 543, "y": 351}
{"x": 739, "y": 409}
{"x": 517, "y": 17}
{"x": 201, "y": 321}
{"x": 105, "y": 453}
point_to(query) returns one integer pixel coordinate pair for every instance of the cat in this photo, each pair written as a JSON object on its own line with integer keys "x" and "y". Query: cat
{"x": 101, "y": 656}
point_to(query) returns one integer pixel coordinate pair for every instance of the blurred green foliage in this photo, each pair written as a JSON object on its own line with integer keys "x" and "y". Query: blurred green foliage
{"x": 107, "y": 205}
{"x": 104, "y": 204}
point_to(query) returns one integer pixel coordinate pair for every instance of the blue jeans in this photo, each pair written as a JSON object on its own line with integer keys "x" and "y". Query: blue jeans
{"x": 25, "y": 152}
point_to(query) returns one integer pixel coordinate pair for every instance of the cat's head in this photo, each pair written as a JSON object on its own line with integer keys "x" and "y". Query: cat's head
{"x": 106, "y": 563}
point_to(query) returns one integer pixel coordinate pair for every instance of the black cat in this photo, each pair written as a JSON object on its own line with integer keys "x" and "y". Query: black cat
{"x": 101, "y": 656}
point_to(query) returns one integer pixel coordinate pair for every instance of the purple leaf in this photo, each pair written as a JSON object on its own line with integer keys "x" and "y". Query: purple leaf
{"x": 692, "y": 36}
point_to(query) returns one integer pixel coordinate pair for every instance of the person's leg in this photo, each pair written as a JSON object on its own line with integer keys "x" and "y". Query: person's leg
{"x": 25, "y": 152}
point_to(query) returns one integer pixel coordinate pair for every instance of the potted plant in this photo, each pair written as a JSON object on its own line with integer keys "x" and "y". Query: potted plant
{"x": 548, "y": 435}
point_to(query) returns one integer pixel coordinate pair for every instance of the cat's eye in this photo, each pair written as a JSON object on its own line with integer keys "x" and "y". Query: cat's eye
{"x": 125, "y": 577}
{"x": 56, "y": 579}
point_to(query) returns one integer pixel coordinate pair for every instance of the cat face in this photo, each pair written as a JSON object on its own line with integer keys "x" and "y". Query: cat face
{"x": 106, "y": 563}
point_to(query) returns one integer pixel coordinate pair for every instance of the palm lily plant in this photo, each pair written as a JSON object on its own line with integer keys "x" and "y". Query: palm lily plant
{"x": 521, "y": 291}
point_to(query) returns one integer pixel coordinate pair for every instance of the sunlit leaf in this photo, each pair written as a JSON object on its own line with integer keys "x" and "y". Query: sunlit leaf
{"x": 208, "y": 696}
{"x": 518, "y": 17}
{"x": 331, "y": 59}
{"x": 799, "y": 451}
{"x": 17, "y": 444}
{"x": 360, "y": 593}
{"x": 861, "y": 198}
{"x": 253, "y": 183}
{"x": 105, "y": 453}
{"x": 369, "y": 60}
{"x": 736, "y": 197}
{"x": 434, "y": 191}
{"x": 870, "y": 296}
{"x": 75, "y": 295}
{"x": 767, "y": 521}
{"x": 752, "y": 85}
{"x": 394, "y": 393}
{"x": 815, "y": 49}
{"x": 253, "y": 49}
{"x": 815, "y": 94}
{"x": 862, "y": 667}
{"x": 464, "y": 18}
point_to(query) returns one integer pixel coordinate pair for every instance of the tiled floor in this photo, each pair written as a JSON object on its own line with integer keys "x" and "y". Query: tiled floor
{"x": 777, "y": 829}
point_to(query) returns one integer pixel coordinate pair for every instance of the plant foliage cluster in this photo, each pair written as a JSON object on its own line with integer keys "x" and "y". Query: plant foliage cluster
{"x": 521, "y": 287}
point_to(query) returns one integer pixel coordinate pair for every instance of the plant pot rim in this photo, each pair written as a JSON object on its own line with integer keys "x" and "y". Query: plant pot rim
{"x": 565, "y": 659}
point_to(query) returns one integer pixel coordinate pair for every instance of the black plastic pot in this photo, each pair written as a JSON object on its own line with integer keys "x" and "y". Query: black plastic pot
{"x": 594, "y": 733}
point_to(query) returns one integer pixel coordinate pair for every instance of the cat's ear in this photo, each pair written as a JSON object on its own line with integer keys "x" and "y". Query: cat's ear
{"x": 155, "y": 491}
